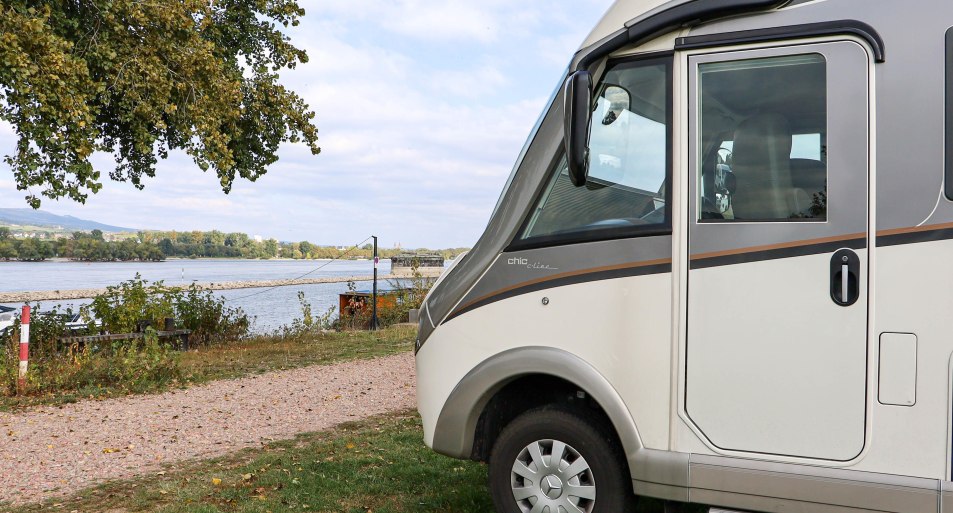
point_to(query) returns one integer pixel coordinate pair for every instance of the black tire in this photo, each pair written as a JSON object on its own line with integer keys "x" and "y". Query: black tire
{"x": 592, "y": 442}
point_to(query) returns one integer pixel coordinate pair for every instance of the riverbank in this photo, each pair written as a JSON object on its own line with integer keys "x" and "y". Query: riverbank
{"x": 60, "y": 295}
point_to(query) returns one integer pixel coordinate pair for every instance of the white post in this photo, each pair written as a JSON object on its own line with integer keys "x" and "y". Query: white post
{"x": 24, "y": 347}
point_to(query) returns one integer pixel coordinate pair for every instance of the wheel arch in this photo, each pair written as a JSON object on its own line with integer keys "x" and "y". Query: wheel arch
{"x": 457, "y": 424}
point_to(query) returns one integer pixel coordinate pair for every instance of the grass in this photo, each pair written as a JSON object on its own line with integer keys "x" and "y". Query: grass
{"x": 378, "y": 465}
{"x": 253, "y": 356}
{"x": 266, "y": 354}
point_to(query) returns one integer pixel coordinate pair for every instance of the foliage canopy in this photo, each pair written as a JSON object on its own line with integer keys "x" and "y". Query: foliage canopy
{"x": 139, "y": 78}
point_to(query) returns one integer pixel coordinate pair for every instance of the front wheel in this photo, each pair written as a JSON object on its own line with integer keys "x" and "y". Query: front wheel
{"x": 553, "y": 461}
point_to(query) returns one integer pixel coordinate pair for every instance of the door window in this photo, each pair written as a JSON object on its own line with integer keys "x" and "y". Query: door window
{"x": 629, "y": 148}
{"x": 763, "y": 140}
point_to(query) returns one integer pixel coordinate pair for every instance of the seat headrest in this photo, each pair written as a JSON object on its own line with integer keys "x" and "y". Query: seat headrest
{"x": 761, "y": 163}
{"x": 762, "y": 139}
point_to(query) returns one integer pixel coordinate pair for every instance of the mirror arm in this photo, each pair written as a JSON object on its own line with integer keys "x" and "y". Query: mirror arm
{"x": 578, "y": 103}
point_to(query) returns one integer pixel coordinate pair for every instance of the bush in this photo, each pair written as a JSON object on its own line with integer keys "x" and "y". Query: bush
{"x": 46, "y": 329}
{"x": 210, "y": 320}
{"x": 132, "y": 365}
{"x": 129, "y": 365}
{"x": 124, "y": 306}
{"x": 308, "y": 324}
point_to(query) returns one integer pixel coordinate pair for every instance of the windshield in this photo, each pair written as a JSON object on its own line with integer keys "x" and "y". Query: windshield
{"x": 529, "y": 141}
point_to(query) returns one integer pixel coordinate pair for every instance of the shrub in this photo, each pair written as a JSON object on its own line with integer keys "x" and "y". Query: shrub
{"x": 308, "y": 324}
{"x": 46, "y": 329}
{"x": 122, "y": 307}
{"x": 136, "y": 364}
{"x": 129, "y": 365}
{"x": 210, "y": 320}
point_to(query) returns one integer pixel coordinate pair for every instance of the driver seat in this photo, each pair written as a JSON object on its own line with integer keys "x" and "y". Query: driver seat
{"x": 761, "y": 162}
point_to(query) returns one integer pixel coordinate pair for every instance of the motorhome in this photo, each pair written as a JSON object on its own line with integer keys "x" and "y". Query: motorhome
{"x": 720, "y": 272}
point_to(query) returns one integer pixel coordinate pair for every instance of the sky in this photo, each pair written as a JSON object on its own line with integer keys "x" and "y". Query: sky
{"x": 422, "y": 107}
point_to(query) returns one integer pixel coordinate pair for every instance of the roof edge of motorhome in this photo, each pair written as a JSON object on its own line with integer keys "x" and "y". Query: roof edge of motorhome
{"x": 638, "y": 31}
{"x": 789, "y": 32}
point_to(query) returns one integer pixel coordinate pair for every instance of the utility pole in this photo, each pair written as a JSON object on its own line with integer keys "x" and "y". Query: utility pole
{"x": 374, "y": 298}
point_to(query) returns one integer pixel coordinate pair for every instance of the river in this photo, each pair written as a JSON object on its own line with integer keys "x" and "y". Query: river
{"x": 270, "y": 308}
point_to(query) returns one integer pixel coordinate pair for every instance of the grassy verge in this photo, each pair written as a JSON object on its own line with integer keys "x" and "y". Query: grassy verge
{"x": 253, "y": 356}
{"x": 267, "y": 354}
{"x": 378, "y": 465}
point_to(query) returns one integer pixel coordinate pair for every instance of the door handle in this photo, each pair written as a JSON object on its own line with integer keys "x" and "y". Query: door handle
{"x": 845, "y": 277}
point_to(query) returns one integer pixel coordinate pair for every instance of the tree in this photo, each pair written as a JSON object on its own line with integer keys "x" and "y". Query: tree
{"x": 4, "y": 233}
{"x": 32, "y": 250}
{"x": 270, "y": 248}
{"x": 8, "y": 250}
{"x": 167, "y": 247}
{"x": 214, "y": 237}
{"x": 139, "y": 79}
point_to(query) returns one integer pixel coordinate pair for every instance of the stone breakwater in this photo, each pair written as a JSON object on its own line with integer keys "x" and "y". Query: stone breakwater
{"x": 57, "y": 295}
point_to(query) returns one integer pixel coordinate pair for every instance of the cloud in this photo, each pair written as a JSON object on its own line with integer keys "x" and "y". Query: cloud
{"x": 445, "y": 21}
{"x": 422, "y": 108}
{"x": 470, "y": 83}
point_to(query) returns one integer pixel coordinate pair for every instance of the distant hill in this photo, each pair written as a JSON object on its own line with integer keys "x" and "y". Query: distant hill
{"x": 30, "y": 217}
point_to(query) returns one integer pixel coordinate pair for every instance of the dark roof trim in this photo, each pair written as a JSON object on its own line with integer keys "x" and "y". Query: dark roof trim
{"x": 779, "y": 251}
{"x": 827, "y": 28}
{"x": 689, "y": 14}
{"x": 915, "y": 235}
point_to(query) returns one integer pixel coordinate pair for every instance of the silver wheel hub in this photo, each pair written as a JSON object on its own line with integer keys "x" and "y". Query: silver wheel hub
{"x": 550, "y": 476}
{"x": 552, "y": 487}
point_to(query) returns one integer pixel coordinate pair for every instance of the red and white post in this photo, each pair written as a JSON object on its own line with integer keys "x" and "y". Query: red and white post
{"x": 24, "y": 346}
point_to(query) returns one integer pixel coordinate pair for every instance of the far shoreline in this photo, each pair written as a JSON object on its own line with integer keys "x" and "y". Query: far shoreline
{"x": 59, "y": 260}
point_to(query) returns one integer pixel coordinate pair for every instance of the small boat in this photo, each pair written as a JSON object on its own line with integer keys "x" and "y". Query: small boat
{"x": 7, "y": 316}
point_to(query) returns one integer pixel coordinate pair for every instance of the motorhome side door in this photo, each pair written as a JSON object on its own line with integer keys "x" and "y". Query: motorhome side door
{"x": 777, "y": 242}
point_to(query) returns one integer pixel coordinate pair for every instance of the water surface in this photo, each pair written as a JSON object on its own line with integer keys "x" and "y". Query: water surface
{"x": 271, "y": 308}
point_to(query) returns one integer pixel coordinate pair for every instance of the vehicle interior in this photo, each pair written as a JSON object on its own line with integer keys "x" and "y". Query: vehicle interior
{"x": 763, "y": 140}
{"x": 628, "y": 148}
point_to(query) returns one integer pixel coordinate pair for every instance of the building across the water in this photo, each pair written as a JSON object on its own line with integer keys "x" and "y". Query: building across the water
{"x": 427, "y": 265}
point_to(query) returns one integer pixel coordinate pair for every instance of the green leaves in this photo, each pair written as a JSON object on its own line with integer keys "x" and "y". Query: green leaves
{"x": 139, "y": 79}
{"x": 123, "y": 306}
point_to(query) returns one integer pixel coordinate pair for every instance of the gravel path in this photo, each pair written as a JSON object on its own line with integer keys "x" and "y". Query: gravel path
{"x": 53, "y": 451}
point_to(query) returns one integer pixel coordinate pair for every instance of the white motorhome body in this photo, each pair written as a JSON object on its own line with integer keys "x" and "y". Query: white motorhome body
{"x": 724, "y": 252}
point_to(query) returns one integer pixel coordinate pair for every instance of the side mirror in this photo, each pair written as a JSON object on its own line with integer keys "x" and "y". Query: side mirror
{"x": 577, "y": 118}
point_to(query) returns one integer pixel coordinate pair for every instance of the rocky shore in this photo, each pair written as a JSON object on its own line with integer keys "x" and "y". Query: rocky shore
{"x": 57, "y": 295}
